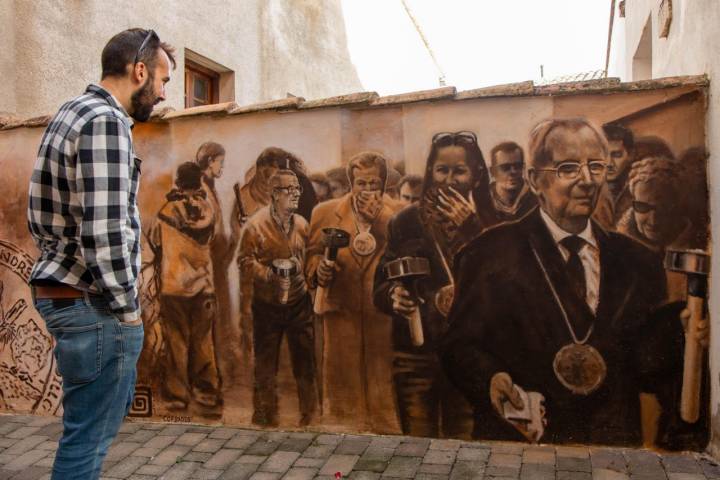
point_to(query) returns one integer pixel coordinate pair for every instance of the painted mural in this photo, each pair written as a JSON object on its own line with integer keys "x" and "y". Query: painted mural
{"x": 515, "y": 268}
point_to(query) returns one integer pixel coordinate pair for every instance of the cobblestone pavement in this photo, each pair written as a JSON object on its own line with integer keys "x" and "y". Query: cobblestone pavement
{"x": 145, "y": 451}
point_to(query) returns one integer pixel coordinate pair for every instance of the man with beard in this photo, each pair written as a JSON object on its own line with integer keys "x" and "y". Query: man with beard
{"x": 272, "y": 255}
{"x": 357, "y": 388}
{"x": 84, "y": 217}
{"x": 445, "y": 218}
{"x": 554, "y": 306}
{"x": 510, "y": 194}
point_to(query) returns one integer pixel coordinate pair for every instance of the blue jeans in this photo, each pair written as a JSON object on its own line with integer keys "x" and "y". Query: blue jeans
{"x": 96, "y": 357}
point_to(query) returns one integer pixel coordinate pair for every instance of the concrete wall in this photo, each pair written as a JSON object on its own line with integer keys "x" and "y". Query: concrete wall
{"x": 324, "y": 136}
{"x": 692, "y": 48}
{"x": 61, "y": 44}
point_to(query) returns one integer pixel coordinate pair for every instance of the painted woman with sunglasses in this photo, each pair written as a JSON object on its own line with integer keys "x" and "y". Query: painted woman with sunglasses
{"x": 454, "y": 208}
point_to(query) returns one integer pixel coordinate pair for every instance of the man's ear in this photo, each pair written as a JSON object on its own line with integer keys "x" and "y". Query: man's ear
{"x": 138, "y": 72}
{"x": 532, "y": 180}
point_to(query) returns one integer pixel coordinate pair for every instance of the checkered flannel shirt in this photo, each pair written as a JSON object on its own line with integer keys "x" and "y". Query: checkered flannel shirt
{"x": 82, "y": 210}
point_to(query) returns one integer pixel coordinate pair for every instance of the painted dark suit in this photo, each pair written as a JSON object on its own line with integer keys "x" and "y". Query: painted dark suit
{"x": 426, "y": 399}
{"x": 506, "y": 319}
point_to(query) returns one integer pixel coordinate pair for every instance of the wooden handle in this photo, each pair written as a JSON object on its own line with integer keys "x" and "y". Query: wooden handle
{"x": 320, "y": 306}
{"x": 692, "y": 366}
{"x": 416, "y": 328}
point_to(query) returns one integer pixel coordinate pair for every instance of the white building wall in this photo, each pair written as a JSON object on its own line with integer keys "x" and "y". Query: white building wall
{"x": 692, "y": 48}
{"x": 58, "y": 45}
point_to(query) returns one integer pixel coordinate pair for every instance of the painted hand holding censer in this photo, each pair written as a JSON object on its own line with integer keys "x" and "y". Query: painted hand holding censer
{"x": 283, "y": 269}
{"x": 406, "y": 271}
{"x": 333, "y": 239}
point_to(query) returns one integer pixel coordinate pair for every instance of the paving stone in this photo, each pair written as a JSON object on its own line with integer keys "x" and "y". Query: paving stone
{"x": 370, "y": 465}
{"x": 686, "y": 476}
{"x": 9, "y": 427}
{"x": 262, "y": 447}
{"x": 155, "y": 470}
{"x": 45, "y": 462}
{"x": 378, "y": 453}
{"x": 146, "y": 452}
{"x": 153, "y": 426}
{"x": 222, "y": 458}
{"x": 385, "y": 442}
{"x": 180, "y": 471}
{"x": 298, "y": 473}
{"x": 200, "y": 429}
{"x": 141, "y": 436}
{"x": 209, "y": 445}
{"x": 608, "y": 474}
{"x": 51, "y": 446}
{"x": 402, "y": 467}
{"x": 32, "y": 473}
{"x": 680, "y": 464}
{"x": 303, "y": 435}
{"x": 238, "y": 471}
{"x": 120, "y": 450}
{"x": 573, "y": 464}
{"x": 126, "y": 467}
{"x": 252, "y": 459}
{"x": 328, "y": 439}
{"x": 309, "y": 462}
{"x": 504, "y": 460}
{"x": 8, "y": 442}
{"x": 200, "y": 457}
{"x": 170, "y": 455}
{"x": 51, "y": 430}
{"x": 275, "y": 436}
{"x": 473, "y": 454}
{"x": 176, "y": 430}
{"x": 445, "y": 457}
{"x": 39, "y": 421}
{"x": 502, "y": 471}
{"x": 362, "y": 475}
{"x": 23, "y": 432}
{"x": 339, "y": 463}
{"x": 319, "y": 451}
{"x": 202, "y": 473}
{"x": 539, "y": 457}
{"x": 573, "y": 476}
{"x": 25, "y": 460}
{"x": 130, "y": 427}
{"x": 279, "y": 462}
{"x": 160, "y": 441}
{"x": 574, "y": 452}
{"x": 435, "y": 468}
{"x": 537, "y": 471}
{"x": 352, "y": 446}
{"x": 445, "y": 444}
{"x": 223, "y": 433}
{"x": 25, "y": 444}
{"x": 190, "y": 439}
{"x": 295, "y": 444}
{"x": 241, "y": 442}
{"x": 265, "y": 476}
{"x": 507, "y": 448}
{"x": 430, "y": 476}
{"x": 710, "y": 468}
{"x": 608, "y": 460}
{"x": 467, "y": 470}
{"x": 414, "y": 449}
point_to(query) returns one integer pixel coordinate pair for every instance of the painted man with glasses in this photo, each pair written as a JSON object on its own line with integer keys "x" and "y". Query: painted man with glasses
{"x": 454, "y": 207}
{"x": 510, "y": 193}
{"x": 272, "y": 257}
{"x": 552, "y": 337}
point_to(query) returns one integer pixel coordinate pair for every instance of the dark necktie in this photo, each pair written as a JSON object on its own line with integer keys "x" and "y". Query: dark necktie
{"x": 575, "y": 268}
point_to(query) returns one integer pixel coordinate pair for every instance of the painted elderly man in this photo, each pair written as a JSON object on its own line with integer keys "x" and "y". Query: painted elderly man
{"x": 552, "y": 334}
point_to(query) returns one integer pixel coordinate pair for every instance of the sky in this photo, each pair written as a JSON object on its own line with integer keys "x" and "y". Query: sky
{"x": 477, "y": 43}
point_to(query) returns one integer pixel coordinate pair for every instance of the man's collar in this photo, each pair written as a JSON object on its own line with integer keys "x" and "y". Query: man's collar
{"x": 110, "y": 99}
{"x": 558, "y": 233}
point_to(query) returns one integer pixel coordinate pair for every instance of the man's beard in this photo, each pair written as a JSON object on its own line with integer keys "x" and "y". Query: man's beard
{"x": 143, "y": 101}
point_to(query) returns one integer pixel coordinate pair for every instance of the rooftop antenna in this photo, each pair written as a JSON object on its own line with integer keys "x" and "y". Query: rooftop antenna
{"x": 441, "y": 78}
{"x": 542, "y": 72}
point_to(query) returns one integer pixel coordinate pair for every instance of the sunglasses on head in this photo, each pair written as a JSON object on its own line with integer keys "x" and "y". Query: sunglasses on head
{"x": 453, "y": 138}
{"x": 151, "y": 33}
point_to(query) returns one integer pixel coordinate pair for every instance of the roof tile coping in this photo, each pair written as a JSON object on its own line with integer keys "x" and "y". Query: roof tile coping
{"x": 527, "y": 88}
{"x": 216, "y": 108}
{"x": 419, "y": 96}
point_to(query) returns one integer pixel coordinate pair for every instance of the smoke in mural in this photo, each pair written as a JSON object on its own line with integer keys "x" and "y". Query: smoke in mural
{"x": 529, "y": 269}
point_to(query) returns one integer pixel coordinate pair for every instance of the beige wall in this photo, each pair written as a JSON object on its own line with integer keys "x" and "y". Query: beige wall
{"x": 62, "y": 42}
{"x": 692, "y": 48}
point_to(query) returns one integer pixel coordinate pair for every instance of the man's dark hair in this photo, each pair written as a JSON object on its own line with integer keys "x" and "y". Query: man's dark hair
{"x": 121, "y": 51}
{"x": 413, "y": 180}
{"x": 614, "y": 131}
{"x": 189, "y": 176}
{"x": 280, "y": 158}
{"x": 507, "y": 147}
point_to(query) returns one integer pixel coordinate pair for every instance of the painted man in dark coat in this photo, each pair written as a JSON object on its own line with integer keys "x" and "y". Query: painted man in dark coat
{"x": 554, "y": 304}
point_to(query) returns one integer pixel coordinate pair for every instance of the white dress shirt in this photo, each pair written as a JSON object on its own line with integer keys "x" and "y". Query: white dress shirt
{"x": 589, "y": 256}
